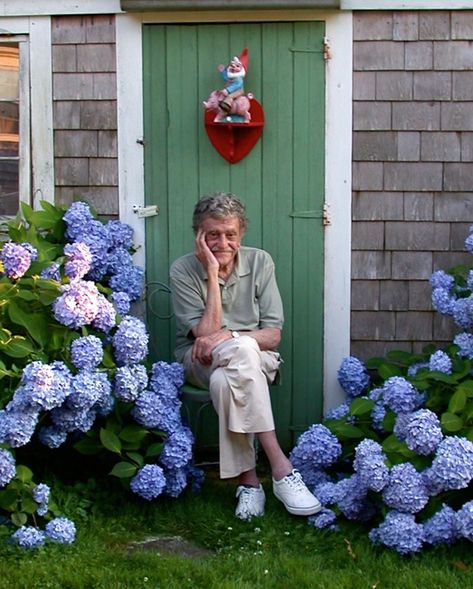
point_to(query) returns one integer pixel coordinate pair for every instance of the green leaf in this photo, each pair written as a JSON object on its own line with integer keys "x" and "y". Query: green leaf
{"x": 344, "y": 430}
{"x": 7, "y": 290}
{"x": 26, "y": 210}
{"x": 154, "y": 449}
{"x": 8, "y": 499}
{"x": 451, "y": 422}
{"x": 110, "y": 440}
{"x": 28, "y": 505}
{"x": 23, "y": 473}
{"x": 19, "y": 519}
{"x": 133, "y": 433}
{"x": 137, "y": 458}
{"x": 34, "y": 323}
{"x": 88, "y": 447}
{"x": 457, "y": 401}
{"x": 18, "y": 347}
{"x": 467, "y": 387}
{"x": 388, "y": 370}
{"x": 360, "y": 407}
{"x": 5, "y": 336}
{"x": 124, "y": 470}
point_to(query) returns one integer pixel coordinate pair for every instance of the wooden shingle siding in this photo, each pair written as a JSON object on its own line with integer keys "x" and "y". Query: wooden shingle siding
{"x": 412, "y": 172}
{"x": 85, "y": 111}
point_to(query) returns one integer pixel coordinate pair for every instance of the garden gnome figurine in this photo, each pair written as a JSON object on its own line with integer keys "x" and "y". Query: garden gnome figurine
{"x": 234, "y": 75}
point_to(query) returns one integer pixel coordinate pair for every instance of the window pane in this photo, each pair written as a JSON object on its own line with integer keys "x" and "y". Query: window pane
{"x": 9, "y": 72}
{"x": 9, "y": 129}
{"x": 9, "y": 187}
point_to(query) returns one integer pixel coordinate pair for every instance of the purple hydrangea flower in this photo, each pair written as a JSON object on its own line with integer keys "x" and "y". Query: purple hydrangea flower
{"x": 69, "y": 420}
{"x": 442, "y": 527}
{"x": 440, "y": 362}
{"x": 76, "y": 218}
{"x": 338, "y": 412}
{"x": 78, "y": 305}
{"x": 405, "y": 490}
{"x": 106, "y": 315}
{"x": 452, "y": 467}
{"x": 7, "y": 467}
{"x": 130, "y": 341}
{"x": 41, "y": 495}
{"x": 316, "y": 448}
{"x": 177, "y": 450}
{"x": 52, "y": 272}
{"x": 400, "y": 532}
{"x": 465, "y": 521}
{"x": 130, "y": 381}
{"x": 119, "y": 260}
{"x": 352, "y": 499}
{"x": 400, "y": 396}
{"x": 176, "y": 481}
{"x": 88, "y": 388}
{"x": 164, "y": 375}
{"x": 352, "y": 376}
{"x": 149, "y": 482}
{"x": 29, "y": 537}
{"x": 86, "y": 352}
{"x": 95, "y": 235}
{"x": 43, "y": 386}
{"x": 51, "y": 436}
{"x": 122, "y": 302}
{"x": 155, "y": 412}
{"x": 400, "y": 425}
{"x": 370, "y": 465}
{"x": 17, "y": 258}
{"x": 441, "y": 279}
{"x": 79, "y": 260}
{"x": 17, "y": 427}
{"x": 442, "y": 301}
{"x": 61, "y": 530}
{"x": 325, "y": 518}
{"x": 465, "y": 342}
{"x": 326, "y": 493}
{"x": 121, "y": 234}
{"x": 130, "y": 280}
{"x": 378, "y": 413}
{"x": 423, "y": 432}
{"x": 463, "y": 312}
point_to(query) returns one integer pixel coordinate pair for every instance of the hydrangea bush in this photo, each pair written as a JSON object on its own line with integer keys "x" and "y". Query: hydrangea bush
{"x": 74, "y": 369}
{"x": 398, "y": 453}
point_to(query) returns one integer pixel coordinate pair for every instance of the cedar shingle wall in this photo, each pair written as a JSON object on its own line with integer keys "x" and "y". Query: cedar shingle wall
{"x": 85, "y": 111}
{"x": 412, "y": 171}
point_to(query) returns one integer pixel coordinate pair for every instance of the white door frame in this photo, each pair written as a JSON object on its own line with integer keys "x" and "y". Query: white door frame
{"x": 337, "y": 157}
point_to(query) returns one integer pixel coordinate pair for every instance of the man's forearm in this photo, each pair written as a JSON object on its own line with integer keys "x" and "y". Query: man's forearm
{"x": 268, "y": 338}
{"x": 211, "y": 320}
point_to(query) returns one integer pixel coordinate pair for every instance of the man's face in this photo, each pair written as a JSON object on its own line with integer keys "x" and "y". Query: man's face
{"x": 223, "y": 236}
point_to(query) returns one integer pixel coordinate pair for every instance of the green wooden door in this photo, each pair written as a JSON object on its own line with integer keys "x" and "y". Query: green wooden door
{"x": 281, "y": 180}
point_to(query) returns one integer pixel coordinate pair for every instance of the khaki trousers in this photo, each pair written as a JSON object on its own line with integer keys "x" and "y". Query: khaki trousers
{"x": 238, "y": 381}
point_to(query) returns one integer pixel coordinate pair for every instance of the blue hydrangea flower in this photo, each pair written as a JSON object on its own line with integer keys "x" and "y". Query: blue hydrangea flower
{"x": 370, "y": 465}
{"x": 441, "y": 279}
{"x": 16, "y": 259}
{"x": 423, "y": 432}
{"x": 463, "y": 312}
{"x": 443, "y": 301}
{"x": 316, "y": 448}
{"x": 405, "y": 490}
{"x": 78, "y": 305}
{"x": 414, "y": 368}
{"x": 469, "y": 241}
{"x": 440, "y": 361}
{"x": 165, "y": 375}
{"x": 79, "y": 260}
{"x": 130, "y": 382}
{"x": 69, "y": 420}
{"x": 96, "y": 236}
{"x": 465, "y": 521}
{"x": 400, "y": 396}
{"x": 400, "y": 425}
{"x": 352, "y": 499}
{"x": 452, "y": 467}
{"x": 130, "y": 341}
{"x": 105, "y": 318}
{"x": 326, "y": 493}
{"x": 76, "y": 218}
{"x": 7, "y": 467}
{"x": 121, "y": 234}
{"x": 52, "y": 272}
{"x": 149, "y": 482}
{"x": 323, "y": 519}
{"x": 353, "y": 376}
{"x": 196, "y": 475}
{"x": 442, "y": 527}
{"x": 338, "y": 412}
{"x": 88, "y": 388}
{"x": 86, "y": 352}
{"x": 400, "y": 532}
{"x": 29, "y": 537}
{"x": 465, "y": 342}
{"x": 43, "y": 386}
{"x": 177, "y": 449}
{"x": 61, "y": 530}
{"x": 121, "y": 301}
{"x": 17, "y": 428}
{"x": 378, "y": 413}
{"x": 119, "y": 260}
{"x": 176, "y": 481}
{"x": 155, "y": 412}
{"x": 130, "y": 280}
{"x": 41, "y": 495}
{"x": 51, "y": 436}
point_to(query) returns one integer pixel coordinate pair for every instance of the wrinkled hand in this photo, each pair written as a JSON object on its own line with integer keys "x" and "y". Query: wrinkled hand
{"x": 204, "y": 254}
{"x": 205, "y": 345}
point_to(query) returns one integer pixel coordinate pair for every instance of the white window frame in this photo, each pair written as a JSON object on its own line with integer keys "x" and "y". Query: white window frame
{"x": 36, "y": 167}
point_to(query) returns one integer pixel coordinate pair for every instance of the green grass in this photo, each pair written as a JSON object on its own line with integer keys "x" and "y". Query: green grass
{"x": 278, "y": 550}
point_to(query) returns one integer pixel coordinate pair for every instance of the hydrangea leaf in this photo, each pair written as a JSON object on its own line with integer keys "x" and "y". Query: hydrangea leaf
{"x": 133, "y": 433}
{"x": 344, "y": 430}
{"x": 110, "y": 440}
{"x": 34, "y": 323}
{"x": 28, "y": 505}
{"x": 18, "y": 347}
{"x": 457, "y": 401}
{"x": 137, "y": 458}
{"x": 23, "y": 473}
{"x": 5, "y": 336}
{"x": 8, "y": 499}
{"x": 451, "y": 422}
{"x": 88, "y": 446}
{"x": 7, "y": 290}
{"x": 361, "y": 407}
{"x": 19, "y": 519}
{"x": 124, "y": 470}
{"x": 467, "y": 387}
{"x": 388, "y": 370}
{"x": 154, "y": 449}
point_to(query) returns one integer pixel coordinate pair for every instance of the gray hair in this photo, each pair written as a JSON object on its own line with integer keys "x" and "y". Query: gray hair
{"x": 219, "y": 205}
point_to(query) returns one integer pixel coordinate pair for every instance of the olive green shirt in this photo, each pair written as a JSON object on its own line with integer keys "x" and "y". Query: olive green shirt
{"x": 250, "y": 296}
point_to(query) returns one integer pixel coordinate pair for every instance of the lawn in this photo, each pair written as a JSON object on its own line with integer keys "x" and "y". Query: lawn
{"x": 278, "y": 550}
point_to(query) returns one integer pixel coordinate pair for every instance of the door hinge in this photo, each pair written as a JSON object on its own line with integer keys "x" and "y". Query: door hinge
{"x": 327, "y": 49}
{"x": 150, "y": 211}
{"x": 313, "y": 214}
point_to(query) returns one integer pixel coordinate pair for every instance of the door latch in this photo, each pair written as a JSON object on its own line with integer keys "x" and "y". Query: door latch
{"x": 150, "y": 211}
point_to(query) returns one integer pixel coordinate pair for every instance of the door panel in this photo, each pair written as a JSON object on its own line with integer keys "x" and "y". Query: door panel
{"x": 281, "y": 180}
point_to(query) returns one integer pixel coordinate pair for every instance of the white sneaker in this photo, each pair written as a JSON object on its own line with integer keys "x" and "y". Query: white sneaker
{"x": 297, "y": 498}
{"x": 251, "y": 502}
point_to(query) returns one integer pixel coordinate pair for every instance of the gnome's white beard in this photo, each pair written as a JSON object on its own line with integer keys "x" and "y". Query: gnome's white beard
{"x": 233, "y": 75}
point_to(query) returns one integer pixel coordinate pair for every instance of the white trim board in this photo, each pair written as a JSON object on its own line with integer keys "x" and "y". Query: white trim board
{"x": 406, "y": 4}
{"x": 51, "y": 7}
{"x": 337, "y": 170}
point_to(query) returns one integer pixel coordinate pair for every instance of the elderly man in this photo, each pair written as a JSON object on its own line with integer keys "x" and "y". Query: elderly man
{"x": 229, "y": 318}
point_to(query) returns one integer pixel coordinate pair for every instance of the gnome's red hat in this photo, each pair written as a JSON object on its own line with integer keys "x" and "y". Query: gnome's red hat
{"x": 244, "y": 58}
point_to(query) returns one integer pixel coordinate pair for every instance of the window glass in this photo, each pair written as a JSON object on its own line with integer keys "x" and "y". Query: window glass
{"x": 9, "y": 128}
